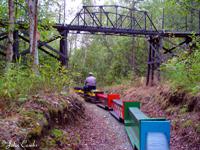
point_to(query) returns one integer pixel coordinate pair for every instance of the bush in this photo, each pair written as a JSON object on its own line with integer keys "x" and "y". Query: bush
{"x": 19, "y": 81}
{"x": 184, "y": 71}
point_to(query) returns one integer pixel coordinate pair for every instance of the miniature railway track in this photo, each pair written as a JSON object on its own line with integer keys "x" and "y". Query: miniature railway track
{"x": 142, "y": 131}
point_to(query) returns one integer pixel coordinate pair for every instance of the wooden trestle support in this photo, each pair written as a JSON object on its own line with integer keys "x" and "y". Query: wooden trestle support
{"x": 154, "y": 59}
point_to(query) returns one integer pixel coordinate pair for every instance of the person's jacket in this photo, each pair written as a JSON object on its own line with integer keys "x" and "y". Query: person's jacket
{"x": 90, "y": 81}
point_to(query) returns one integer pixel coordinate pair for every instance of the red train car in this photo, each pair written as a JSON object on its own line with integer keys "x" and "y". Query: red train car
{"x": 118, "y": 109}
{"x": 106, "y": 100}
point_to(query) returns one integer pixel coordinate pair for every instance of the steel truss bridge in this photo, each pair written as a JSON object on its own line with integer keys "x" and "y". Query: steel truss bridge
{"x": 117, "y": 20}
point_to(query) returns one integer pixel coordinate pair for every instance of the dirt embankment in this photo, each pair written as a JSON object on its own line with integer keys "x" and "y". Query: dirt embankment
{"x": 182, "y": 109}
{"x": 24, "y": 125}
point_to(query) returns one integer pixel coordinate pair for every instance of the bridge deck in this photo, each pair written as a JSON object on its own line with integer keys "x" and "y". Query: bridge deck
{"x": 121, "y": 31}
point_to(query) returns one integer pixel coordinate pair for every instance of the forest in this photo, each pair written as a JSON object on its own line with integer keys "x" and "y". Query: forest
{"x": 38, "y": 72}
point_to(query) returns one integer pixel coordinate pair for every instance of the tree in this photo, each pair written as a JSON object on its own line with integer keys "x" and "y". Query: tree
{"x": 134, "y": 65}
{"x": 11, "y": 26}
{"x": 32, "y": 9}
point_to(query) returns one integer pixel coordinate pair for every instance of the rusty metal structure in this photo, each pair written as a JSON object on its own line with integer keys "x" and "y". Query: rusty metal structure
{"x": 122, "y": 21}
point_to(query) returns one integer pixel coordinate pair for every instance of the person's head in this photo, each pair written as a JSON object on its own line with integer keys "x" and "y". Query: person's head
{"x": 90, "y": 74}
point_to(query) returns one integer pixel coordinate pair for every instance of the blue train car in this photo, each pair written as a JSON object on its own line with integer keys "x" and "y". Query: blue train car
{"x": 146, "y": 133}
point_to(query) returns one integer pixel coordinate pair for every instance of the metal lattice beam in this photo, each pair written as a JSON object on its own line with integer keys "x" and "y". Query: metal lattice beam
{"x": 113, "y": 19}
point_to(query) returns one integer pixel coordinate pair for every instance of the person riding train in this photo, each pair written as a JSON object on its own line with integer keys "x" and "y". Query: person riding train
{"x": 90, "y": 83}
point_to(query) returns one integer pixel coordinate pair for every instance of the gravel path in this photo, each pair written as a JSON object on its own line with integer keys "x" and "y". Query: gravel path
{"x": 100, "y": 131}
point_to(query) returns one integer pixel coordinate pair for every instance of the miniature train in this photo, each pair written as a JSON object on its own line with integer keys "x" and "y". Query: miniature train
{"x": 144, "y": 133}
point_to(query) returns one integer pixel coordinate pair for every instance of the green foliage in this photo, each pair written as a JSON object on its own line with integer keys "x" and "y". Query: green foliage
{"x": 30, "y": 119}
{"x": 55, "y": 78}
{"x": 184, "y": 71}
{"x": 110, "y": 58}
{"x": 176, "y": 12}
{"x": 198, "y": 128}
{"x": 57, "y": 133}
{"x": 16, "y": 81}
{"x": 3, "y": 9}
{"x": 187, "y": 123}
{"x": 183, "y": 109}
{"x": 19, "y": 81}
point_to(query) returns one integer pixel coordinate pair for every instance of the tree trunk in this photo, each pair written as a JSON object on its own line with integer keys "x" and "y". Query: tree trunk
{"x": 133, "y": 47}
{"x": 133, "y": 56}
{"x": 64, "y": 12}
{"x": 11, "y": 26}
{"x": 32, "y": 7}
{"x": 75, "y": 44}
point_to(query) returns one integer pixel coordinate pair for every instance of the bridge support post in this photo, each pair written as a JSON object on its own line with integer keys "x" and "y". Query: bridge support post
{"x": 16, "y": 45}
{"x": 159, "y": 59}
{"x": 154, "y": 60}
{"x": 149, "y": 62}
{"x": 64, "y": 48}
